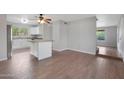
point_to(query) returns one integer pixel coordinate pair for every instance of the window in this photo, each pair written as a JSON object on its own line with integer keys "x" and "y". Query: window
{"x": 19, "y": 31}
{"x": 100, "y": 35}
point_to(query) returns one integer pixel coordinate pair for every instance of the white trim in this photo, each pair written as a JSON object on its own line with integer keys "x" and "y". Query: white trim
{"x": 64, "y": 49}
{"x": 3, "y": 59}
{"x": 75, "y": 50}
{"x": 82, "y": 51}
{"x": 57, "y": 50}
{"x": 60, "y": 50}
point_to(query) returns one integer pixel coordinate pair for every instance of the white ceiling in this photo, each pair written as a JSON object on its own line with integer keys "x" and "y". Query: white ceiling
{"x": 69, "y": 17}
{"x": 107, "y": 19}
{"x": 103, "y": 19}
{"x": 15, "y": 18}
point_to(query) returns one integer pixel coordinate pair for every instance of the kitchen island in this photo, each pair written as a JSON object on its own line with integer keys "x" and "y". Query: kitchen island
{"x": 41, "y": 49}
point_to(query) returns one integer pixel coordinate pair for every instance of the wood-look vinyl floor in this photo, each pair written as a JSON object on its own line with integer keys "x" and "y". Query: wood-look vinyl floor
{"x": 63, "y": 65}
{"x": 109, "y": 52}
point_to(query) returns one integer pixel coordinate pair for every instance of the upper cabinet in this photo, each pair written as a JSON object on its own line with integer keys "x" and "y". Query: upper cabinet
{"x": 45, "y": 30}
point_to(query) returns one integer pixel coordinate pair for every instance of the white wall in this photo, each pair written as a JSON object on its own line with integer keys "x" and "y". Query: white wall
{"x": 63, "y": 36}
{"x": 3, "y": 37}
{"x": 121, "y": 37}
{"x": 82, "y": 35}
{"x": 56, "y": 35}
{"x": 110, "y": 37}
{"x": 59, "y": 35}
{"x": 47, "y": 32}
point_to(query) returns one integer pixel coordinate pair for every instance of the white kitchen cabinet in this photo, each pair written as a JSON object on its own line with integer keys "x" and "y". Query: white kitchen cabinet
{"x": 34, "y": 30}
{"x": 41, "y": 49}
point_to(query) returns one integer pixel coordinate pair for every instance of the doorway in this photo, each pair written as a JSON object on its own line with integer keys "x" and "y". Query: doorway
{"x": 107, "y": 42}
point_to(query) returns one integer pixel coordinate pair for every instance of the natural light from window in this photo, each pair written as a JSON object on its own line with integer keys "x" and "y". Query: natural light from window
{"x": 100, "y": 34}
{"x": 19, "y": 32}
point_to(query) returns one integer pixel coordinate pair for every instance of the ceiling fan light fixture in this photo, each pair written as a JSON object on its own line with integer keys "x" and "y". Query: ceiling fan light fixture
{"x": 41, "y": 21}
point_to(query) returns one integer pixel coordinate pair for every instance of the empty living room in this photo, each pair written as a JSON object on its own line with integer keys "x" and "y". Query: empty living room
{"x": 61, "y": 46}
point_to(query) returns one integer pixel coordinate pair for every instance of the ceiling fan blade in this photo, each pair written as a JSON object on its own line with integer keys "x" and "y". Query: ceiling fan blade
{"x": 46, "y": 21}
{"x": 41, "y": 19}
{"x": 49, "y": 19}
{"x": 46, "y": 18}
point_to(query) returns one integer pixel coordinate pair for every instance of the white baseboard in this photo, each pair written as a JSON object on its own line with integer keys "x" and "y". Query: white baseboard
{"x": 56, "y": 50}
{"x": 60, "y": 50}
{"x": 82, "y": 51}
{"x": 3, "y": 59}
{"x": 75, "y": 50}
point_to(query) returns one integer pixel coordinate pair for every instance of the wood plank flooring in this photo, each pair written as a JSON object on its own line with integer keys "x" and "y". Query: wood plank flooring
{"x": 109, "y": 52}
{"x": 63, "y": 65}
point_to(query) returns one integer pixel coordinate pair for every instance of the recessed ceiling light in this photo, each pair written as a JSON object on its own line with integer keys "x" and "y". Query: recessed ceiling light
{"x": 24, "y": 20}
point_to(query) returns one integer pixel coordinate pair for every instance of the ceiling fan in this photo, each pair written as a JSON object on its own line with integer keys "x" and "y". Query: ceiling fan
{"x": 41, "y": 19}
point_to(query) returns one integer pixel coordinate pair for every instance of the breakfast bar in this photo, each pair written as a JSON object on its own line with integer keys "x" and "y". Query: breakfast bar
{"x": 41, "y": 49}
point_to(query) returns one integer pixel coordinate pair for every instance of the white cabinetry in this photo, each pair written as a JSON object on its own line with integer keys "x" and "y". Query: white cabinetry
{"x": 41, "y": 49}
{"x": 44, "y": 29}
{"x": 34, "y": 30}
